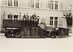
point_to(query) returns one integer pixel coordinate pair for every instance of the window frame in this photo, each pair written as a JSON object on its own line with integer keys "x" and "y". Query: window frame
{"x": 56, "y": 22}
{"x": 37, "y": 3}
{"x": 51, "y": 21}
{"x": 9, "y": 2}
{"x": 15, "y": 2}
{"x": 9, "y": 16}
{"x": 51, "y": 5}
{"x": 15, "y": 17}
{"x": 31, "y": 3}
{"x": 56, "y": 5}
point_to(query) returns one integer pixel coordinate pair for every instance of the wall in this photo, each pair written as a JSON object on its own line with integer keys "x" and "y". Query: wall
{"x": 43, "y": 12}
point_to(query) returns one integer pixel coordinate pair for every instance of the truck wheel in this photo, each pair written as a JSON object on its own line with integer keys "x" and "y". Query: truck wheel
{"x": 17, "y": 35}
{"x": 53, "y": 35}
{"x": 7, "y": 35}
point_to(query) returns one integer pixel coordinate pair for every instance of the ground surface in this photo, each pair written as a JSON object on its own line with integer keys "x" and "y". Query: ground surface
{"x": 36, "y": 45}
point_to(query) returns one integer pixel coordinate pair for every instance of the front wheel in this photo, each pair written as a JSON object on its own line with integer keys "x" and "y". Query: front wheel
{"x": 53, "y": 35}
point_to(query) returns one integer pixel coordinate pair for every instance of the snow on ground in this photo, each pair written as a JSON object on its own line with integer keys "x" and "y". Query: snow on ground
{"x": 36, "y": 44}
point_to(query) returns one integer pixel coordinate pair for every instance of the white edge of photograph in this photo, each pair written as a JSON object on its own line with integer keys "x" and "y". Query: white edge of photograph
{"x": 36, "y": 26}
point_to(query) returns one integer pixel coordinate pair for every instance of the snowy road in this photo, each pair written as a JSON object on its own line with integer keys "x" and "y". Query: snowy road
{"x": 36, "y": 45}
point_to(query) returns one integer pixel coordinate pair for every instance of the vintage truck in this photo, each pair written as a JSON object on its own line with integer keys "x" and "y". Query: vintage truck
{"x": 30, "y": 28}
{"x": 23, "y": 28}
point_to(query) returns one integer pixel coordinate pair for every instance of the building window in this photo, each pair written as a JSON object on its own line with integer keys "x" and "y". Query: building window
{"x": 56, "y": 4}
{"x": 10, "y": 17}
{"x": 56, "y": 22}
{"x": 15, "y": 2}
{"x": 9, "y": 2}
{"x": 15, "y": 17}
{"x": 37, "y": 3}
{"x": 31, "y": 3}
{"x": 51, "y": 4}
{"x": 51, "y": 20}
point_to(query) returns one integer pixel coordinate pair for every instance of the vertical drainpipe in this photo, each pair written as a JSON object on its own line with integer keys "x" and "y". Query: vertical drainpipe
{"x": 0, "y": 18}
{"x": 71, "y": 10}
{"x": 58, "y": 22}
{"x": 53, "y": 21}
{"x": 0, "y": 14}
{"x": 72, "y": 19}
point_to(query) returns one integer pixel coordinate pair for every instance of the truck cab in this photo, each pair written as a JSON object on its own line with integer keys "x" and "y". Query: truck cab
{"x": 57, "y": 32}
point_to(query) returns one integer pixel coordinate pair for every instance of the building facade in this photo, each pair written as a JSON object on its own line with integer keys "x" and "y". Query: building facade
{"x": 50, "y": 12}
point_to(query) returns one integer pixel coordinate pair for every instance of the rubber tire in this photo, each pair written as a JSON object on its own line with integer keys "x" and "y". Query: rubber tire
{"x": 52, "y": 35}
{"x": 16, "y": 35}
{"x": 7, "y": 35}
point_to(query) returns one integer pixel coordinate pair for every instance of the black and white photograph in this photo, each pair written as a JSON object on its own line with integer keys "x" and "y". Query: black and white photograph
{"x": 36, "y": 26}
